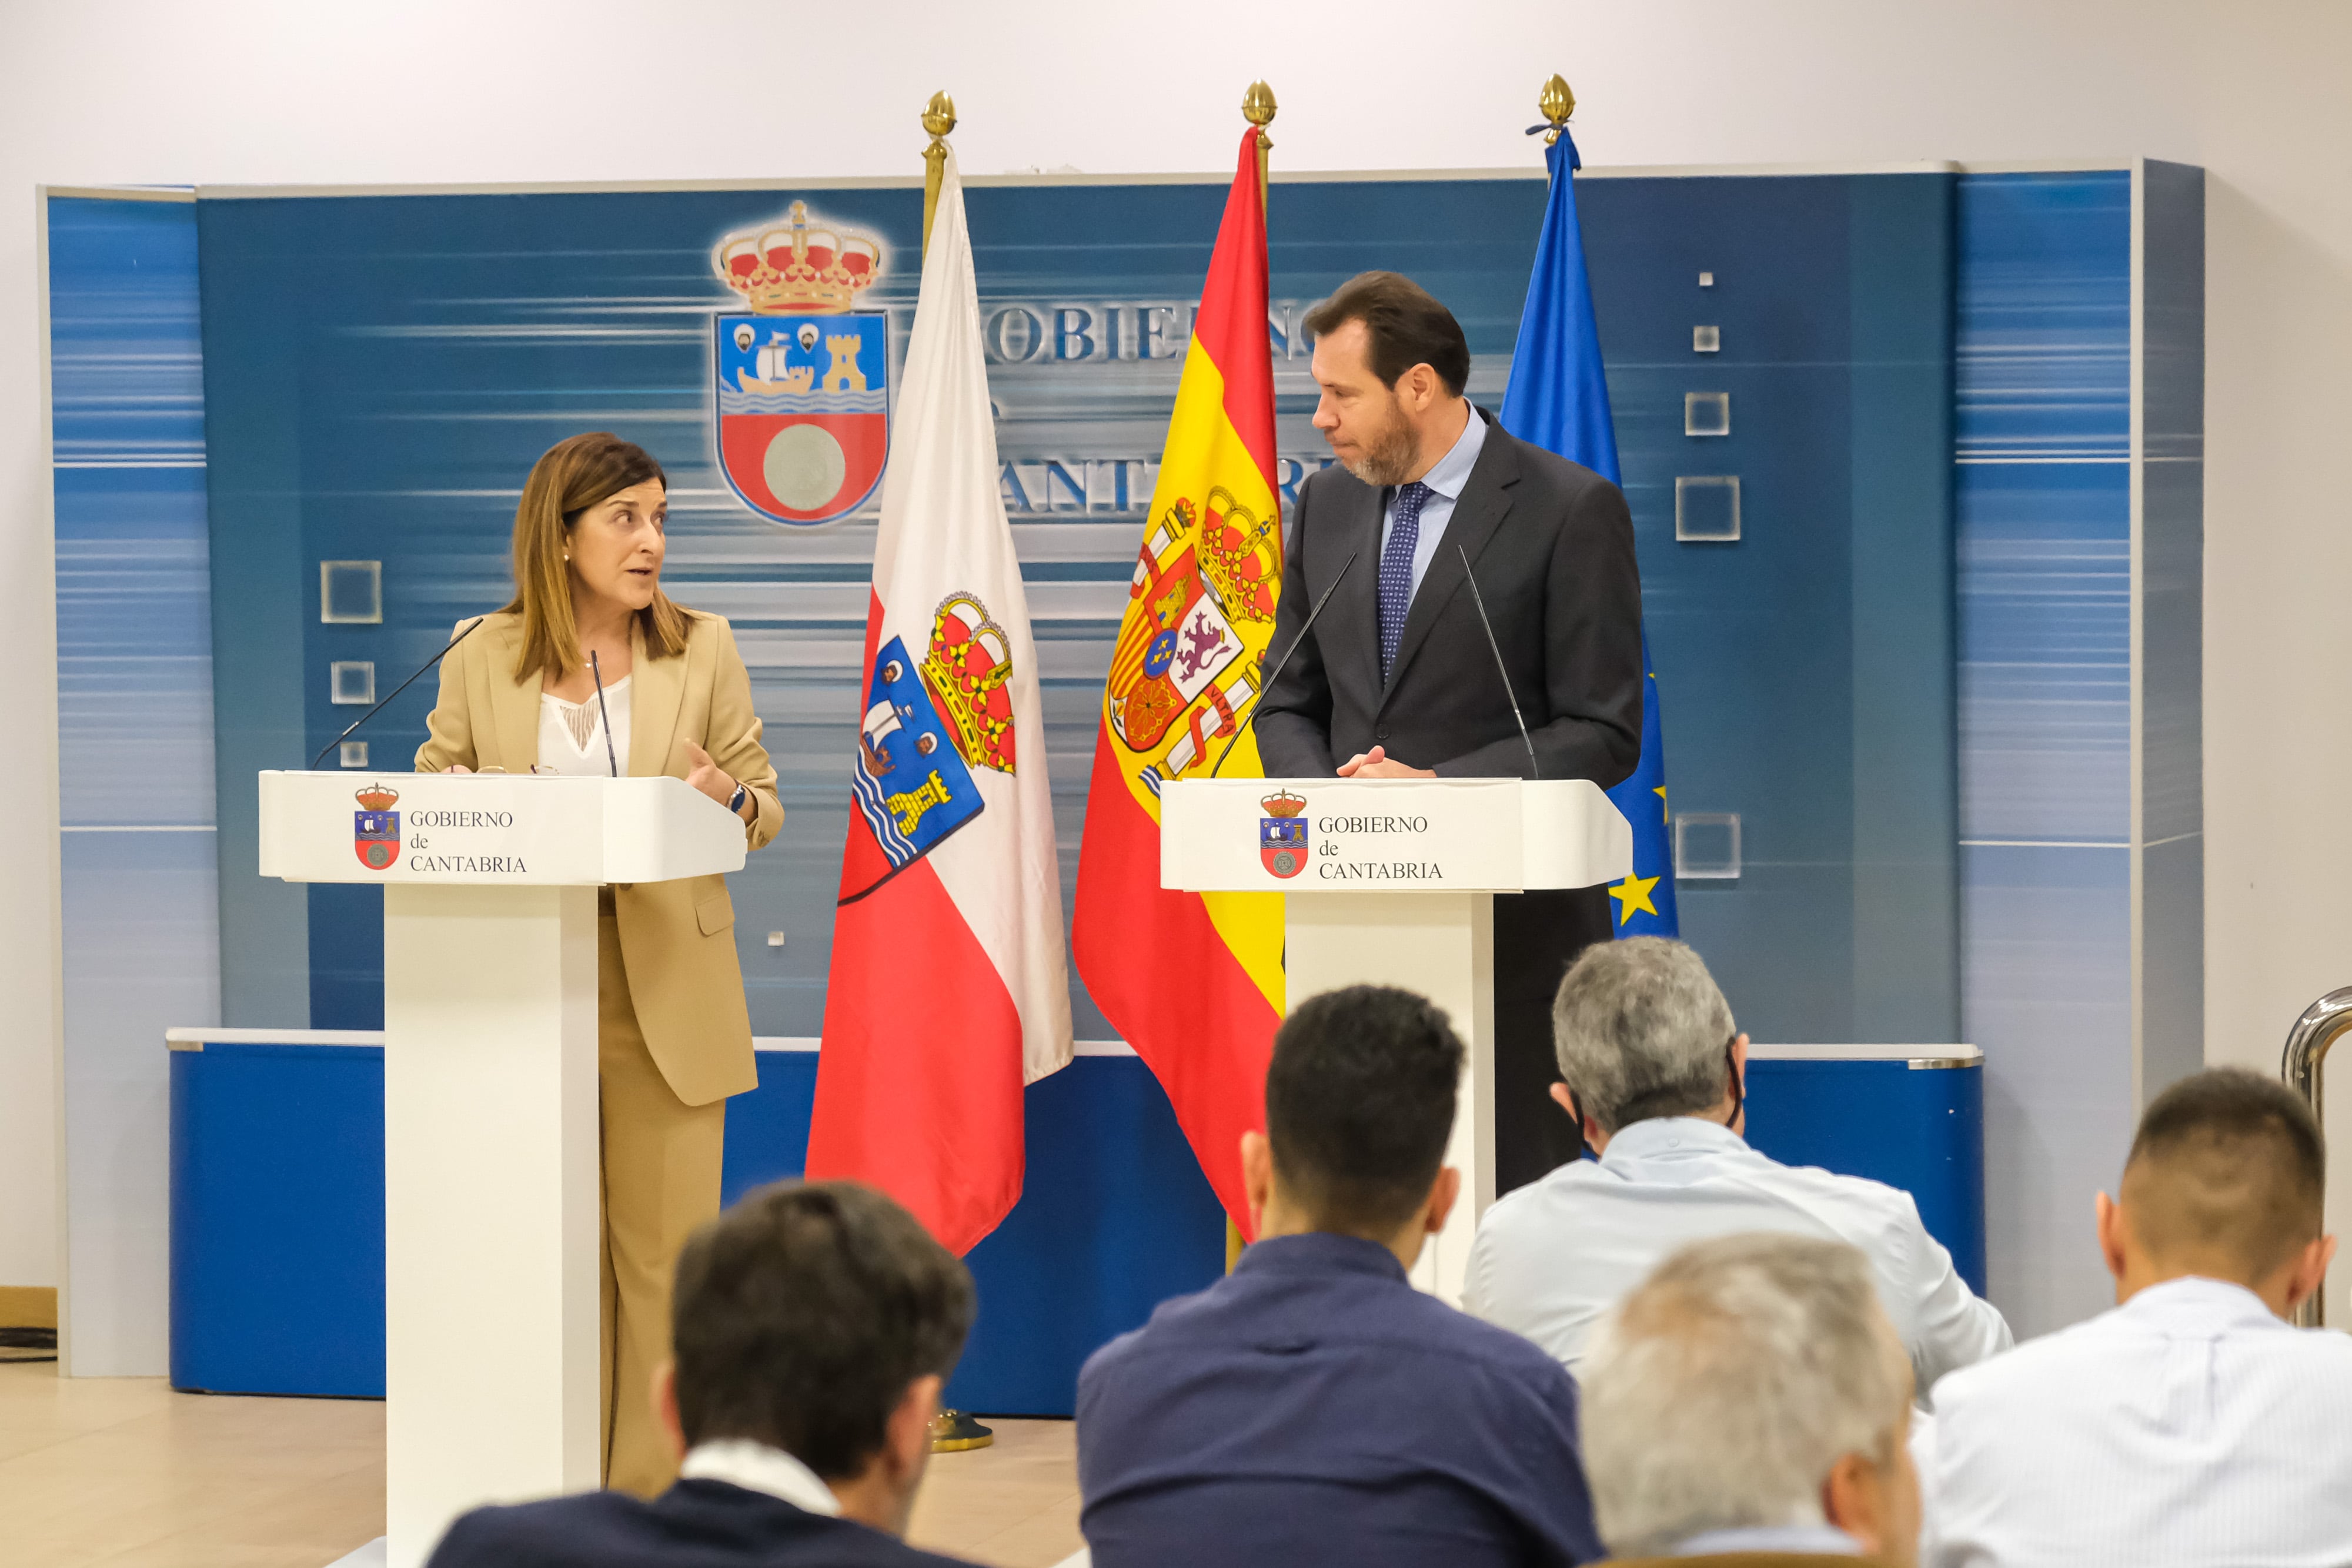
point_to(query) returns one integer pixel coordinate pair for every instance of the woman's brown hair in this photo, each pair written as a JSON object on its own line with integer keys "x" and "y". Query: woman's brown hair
{"x": 572, "y": 476}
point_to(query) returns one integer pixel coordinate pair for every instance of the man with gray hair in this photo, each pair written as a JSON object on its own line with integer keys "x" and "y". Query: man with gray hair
{"x": 1654, "y": 1069}
{"x": 1749, "y": 1403}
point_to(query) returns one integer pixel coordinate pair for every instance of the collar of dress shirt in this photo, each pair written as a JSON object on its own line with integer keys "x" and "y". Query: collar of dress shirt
{"x": 756, "y": 1467}
{"x": 1668, "y": 1136}
{"x": 1320, "y": 1252}
{"x": 2195, "y": 1301}
{"x": 1819, "y": 1540}
{"x": 1451, "y": 472}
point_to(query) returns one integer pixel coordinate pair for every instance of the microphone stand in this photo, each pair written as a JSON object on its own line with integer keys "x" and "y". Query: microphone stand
{"x": 1283, "y": 662}
{"x": 1503, "y": 670}
{"x": 395, "y": 692}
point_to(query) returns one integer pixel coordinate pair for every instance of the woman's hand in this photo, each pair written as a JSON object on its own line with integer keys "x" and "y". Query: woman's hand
{"x": 706, "y": 776}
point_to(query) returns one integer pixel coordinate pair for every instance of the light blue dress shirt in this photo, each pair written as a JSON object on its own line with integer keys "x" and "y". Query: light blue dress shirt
{"x": 2188, "y": 1425}
{"x": 1798, "y": 1539}
{"x": 1550, "y": 1258}
{"x": 1446, "y": 478}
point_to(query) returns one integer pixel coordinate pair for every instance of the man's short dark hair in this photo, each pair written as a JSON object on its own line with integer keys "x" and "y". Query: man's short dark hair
{"x": 1359, "y": 1103}
{"x": 801, "y": 1315}
{"x": 1404, "y": 324}
{"x": 2228, "y": 1166}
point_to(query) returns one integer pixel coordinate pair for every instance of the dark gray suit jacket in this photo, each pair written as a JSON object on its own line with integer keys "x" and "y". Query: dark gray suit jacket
{"x": 1552, "y": 545}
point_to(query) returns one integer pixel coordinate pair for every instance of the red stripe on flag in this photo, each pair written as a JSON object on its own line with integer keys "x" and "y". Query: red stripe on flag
{"x": 919, "y": 1085}
{"x": 1231, "y": 322}
{"x": 1161, "y": 972}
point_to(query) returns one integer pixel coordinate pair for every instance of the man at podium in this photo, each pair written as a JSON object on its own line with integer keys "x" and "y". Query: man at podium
{"x": 1437, "y": 529}
{"x": 592, "y": 670}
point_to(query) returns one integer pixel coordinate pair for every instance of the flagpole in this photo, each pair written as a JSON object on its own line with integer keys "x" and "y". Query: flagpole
{"x": 953, "y": 1431}
{"x": 938, "y": 119}
{"x": 1257, "y": 107}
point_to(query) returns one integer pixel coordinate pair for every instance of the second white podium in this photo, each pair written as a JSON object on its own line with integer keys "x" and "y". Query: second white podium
{"x": 491, "y": 1222}
{"x": 1393, "y": 881}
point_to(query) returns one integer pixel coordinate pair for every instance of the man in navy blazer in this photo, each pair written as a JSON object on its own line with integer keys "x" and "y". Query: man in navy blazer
{"x": 1312, "y": 1408}
{"x": 812, "y": 1326}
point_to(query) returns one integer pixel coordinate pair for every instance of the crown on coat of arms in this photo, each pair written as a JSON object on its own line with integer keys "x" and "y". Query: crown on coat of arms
{"x": 1241, "y": 554}
{"x": 966, "y": 669}
{"x": 378, "y": 798}
{"x": 1282, "y": 803}
{"x": 791, "y": 266}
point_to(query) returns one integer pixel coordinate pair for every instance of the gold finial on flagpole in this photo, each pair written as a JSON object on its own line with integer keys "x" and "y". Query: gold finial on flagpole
{"x": 1257, "y": 107}
{"x": 938, "y": 119}
{"x": 1556, "y": 104}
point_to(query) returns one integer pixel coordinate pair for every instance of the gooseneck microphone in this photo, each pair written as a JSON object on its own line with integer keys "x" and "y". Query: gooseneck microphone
{"x": 395, "y": 692}
{"x": 611, "y": 761}
{"x": 1500, "y": 668}
{"x": 1281, "y": 663}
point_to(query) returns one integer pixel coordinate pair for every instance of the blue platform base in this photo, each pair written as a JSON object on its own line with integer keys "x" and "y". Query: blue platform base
{"x": 277, "y": 1205}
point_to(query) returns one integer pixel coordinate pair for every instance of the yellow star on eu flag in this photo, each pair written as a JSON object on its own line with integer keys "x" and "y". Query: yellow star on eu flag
{"x": 1632, "y": 897}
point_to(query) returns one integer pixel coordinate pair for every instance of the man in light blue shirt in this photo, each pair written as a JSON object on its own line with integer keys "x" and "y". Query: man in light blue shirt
{"x": 1654, "y": 1069}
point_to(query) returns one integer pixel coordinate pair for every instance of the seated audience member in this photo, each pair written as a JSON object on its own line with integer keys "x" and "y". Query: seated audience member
{"x": 1312, "y": 1406}
{"x": 1747, "y": 1403}
{"x": 811, "y": 1325}
{"x": 2189, "y": 1425}
{"x": 1656, "y": 1071}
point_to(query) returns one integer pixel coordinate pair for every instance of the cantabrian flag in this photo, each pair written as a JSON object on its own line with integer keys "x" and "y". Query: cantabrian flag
{"x": 950, "y": 986}
{"x": 1193, "y": 980}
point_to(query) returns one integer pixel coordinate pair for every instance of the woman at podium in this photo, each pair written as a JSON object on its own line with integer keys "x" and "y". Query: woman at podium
{"x": 594, "y": 670}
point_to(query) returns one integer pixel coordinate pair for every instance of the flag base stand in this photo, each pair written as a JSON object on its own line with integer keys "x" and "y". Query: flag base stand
{"x": 952, "y": 1432}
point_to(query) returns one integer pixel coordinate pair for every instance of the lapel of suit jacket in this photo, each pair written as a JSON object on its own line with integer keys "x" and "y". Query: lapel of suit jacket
{"x": 514, "y": 704}
{"x": 1477, "y": 513}
{"x": 1354, "y": 610}
{"x": 656, "y": 693}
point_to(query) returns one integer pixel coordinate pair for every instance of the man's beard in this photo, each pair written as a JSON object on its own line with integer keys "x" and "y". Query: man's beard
{"x": 1389, "y": 458}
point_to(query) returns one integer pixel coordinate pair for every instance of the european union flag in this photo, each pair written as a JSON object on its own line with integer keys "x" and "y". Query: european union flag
{"x": 1559, "y": 399}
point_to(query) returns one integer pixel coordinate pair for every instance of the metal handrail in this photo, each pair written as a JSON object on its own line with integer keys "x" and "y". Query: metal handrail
{"x": 2301, "y": 1065}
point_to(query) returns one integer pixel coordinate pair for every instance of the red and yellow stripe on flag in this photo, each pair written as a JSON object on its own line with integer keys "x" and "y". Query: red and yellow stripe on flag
{"x": 1193, "y": 982}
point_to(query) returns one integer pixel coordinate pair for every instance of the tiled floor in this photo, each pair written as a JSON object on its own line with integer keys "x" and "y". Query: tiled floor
{"x": 124, "y": 1473}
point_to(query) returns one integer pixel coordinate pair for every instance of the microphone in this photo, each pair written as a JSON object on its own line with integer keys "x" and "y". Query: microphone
{"x": 603, "y": 712}
{"x": 395, "y": 692}
{"x": 1500, "y": 668}
{"x": 1283, "y": 662}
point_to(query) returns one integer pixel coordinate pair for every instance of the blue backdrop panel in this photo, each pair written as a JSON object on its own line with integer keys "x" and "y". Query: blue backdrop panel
{"x": 277, "y": 1205}
{"x": 278, "y": 1219}
{"x": 380, "y": 371}
{"x": 1918, "y": 1129}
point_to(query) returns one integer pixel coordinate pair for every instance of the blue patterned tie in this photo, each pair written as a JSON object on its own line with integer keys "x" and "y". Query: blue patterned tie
{"x": 1396, "y": 569}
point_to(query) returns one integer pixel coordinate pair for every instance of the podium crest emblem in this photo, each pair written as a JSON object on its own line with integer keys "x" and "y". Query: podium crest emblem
{"x": 1282, "y": 833}
{"x": 375, "y": 827}
{"x": 803, "y": 415}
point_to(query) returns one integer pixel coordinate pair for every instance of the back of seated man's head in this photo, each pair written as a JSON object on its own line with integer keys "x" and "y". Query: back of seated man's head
{"x": 1752, "y": 1382}
{"x": 820, "y": 1318}
{"x": 1641, "y": 1032}
{"x": 1358, "y": 1104}
{"x": 2226, "y": 1180}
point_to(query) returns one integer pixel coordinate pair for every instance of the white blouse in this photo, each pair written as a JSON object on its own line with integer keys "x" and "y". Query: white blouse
{"x": 571, "y": 734}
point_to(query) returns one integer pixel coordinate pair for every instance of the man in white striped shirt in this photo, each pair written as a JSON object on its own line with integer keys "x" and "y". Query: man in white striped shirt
{"x": 2192, "y": 1424}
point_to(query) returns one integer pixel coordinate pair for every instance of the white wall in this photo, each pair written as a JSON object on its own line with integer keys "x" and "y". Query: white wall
{"x": 241, "y": 91}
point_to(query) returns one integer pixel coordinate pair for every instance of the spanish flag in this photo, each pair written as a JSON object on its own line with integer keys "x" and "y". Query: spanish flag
{"x": 1193, "y": 982}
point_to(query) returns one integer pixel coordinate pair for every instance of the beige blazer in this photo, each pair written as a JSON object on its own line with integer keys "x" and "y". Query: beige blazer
{"x": 677, "y": 938}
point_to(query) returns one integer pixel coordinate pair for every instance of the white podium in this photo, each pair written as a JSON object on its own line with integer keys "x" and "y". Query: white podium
{"x": 1391, "y": 881}
{"x": 491, "y": 1190}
